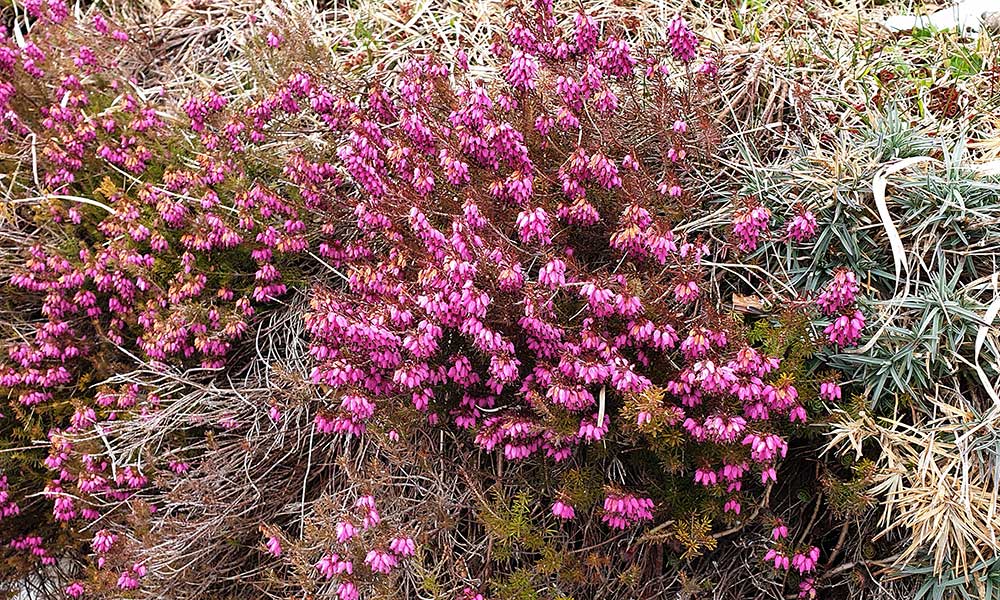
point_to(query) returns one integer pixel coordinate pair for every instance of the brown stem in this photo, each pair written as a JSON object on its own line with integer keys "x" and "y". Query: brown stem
{"x": 840, "y": 544}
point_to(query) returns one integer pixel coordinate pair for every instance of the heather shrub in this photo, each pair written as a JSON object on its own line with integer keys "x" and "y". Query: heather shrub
{"x": 459, "y": 335}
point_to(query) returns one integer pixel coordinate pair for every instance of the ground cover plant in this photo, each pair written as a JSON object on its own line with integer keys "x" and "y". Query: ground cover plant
{"x": 528, "y": 315}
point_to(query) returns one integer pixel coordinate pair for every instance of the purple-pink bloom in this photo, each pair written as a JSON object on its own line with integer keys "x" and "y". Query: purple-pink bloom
{"x": 802, "y": 227}
{"x": 563, "y": 510}
{"x": 683, "y": 41}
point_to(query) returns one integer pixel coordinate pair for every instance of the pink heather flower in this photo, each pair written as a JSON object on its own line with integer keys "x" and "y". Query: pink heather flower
{"x": 733, "y": 472}
{"x": 830, "y": 390}
{"x": 629, "y": 162}
{"x": 615, "y": 58}
{"x": 326, "y": 565}
{"x": 846, "y": 330}
{"x": 806, "y": 562}
{"x": 380, "y": 562}
{"x": 422, "y": 180}
{"x": 456, "y": 171}
{"x": 807, "y": 589}
{"x": 732, "y": 506}
{"x": 403, "y": 546}
{"x": 127, "y": 581}
{"x": 543, "y": 124}
{"x": 346, "y": 590}
{"x": 697, "y": 344}
{"x": 522, "y": 70}
{"x": 683, "y": 41}
{"x": 273, "y": 39}
{"x": 75, "y": 589}
{"x": 705, "y": 477}
{"x": 724, "y": 429}
{"x": 778, "y": 558}
{"x": 696, "y": 251}
{"x": 563, "y": 510}
{"x": 802, "y": 227}
{"x": 624, "y": 510}
{"x": 8, "y": 508}
{"x": 748, "y": 226}
{"x": 332, "y": 564}
{"x": 604, "y": 171}
{"x": 103, "y": 540}
{"x": 780, "y": 531}
{"x": 83, "y": 418}
{"x": 643, "y": 418}
{"x": 711, "y": 378}
{"x": 345, "y": 531}
{"x": 798, "y": 413}
{"x": 585, "y": 27}
{"x": 768, "y": 473}
{"x": 686, "y": 292}
{"x": 372, "y": 518}
{"x": 839, "y": 294}
{"x": 590, "y": 431}
{"x": 680, "y": 126}
{"x": 534, "y": 224}
{"x": 764, "y": 448}
{"x": 274, "y": 545}
{"x": 553, "y": 274}
{"x": 781, "y": 397}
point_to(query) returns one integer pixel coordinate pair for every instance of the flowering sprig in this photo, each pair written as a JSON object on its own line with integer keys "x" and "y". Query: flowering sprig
{"x": 359, "y": 534}
{"x": 838, "y": 300}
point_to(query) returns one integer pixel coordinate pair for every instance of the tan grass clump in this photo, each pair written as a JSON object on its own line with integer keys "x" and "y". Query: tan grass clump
{"x": 937, "y": 477}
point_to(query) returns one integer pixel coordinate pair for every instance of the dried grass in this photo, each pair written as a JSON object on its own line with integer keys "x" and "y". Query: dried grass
{"x": 937, "y": 476}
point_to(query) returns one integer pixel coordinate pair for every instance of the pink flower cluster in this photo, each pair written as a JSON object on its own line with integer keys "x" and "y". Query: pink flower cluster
{"x": 442, "y": 338}
{"x": 32, "y": 544}
{"x": 840, "y": 293}
{"x": 623, "y": 510}
{"x": 830, "y": 390}
{"x": 563, "y": 510}
{"x": 749, "y": 224}
{"x": 379, "y": 558}
{"x": 802, "y": 227}
{"x": 144, "y": 275}
{"x": 838, "y": 300}
{"x": 8, "y": 508}
{"x": 274, "y": 546}
{"x": 683, "y": 41}
{"x": 802, "y": 562}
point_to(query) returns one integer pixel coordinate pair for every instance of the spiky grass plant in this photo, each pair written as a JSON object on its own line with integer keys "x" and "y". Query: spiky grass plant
{"x": 919, "y": 217}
